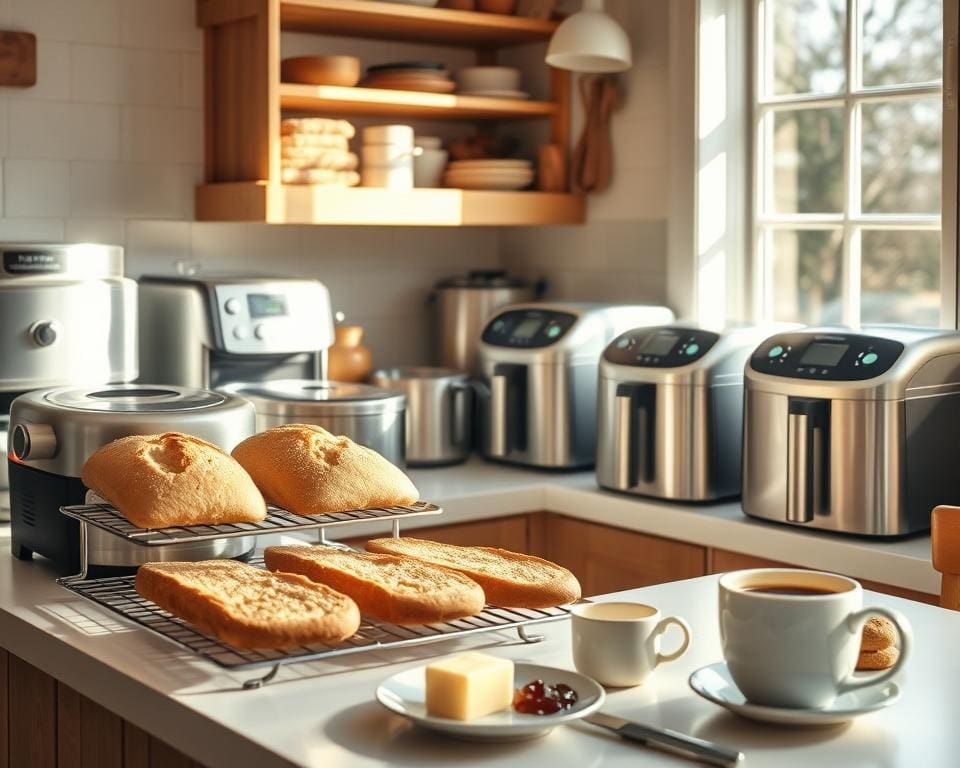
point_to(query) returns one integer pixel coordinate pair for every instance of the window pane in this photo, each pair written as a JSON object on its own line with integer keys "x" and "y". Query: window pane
{"x": 808, "y": 161}
{"x": 807, "y": 47}
{"x": 901, "y": 157}
{"x": 806, "y": 276}
{"x": 902, "y": 41}
{"x": 900, "y": 277}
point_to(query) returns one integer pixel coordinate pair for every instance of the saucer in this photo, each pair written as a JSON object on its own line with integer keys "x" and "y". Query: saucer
{"x": 714, "y": 683}
{"x": 404, "y": 694}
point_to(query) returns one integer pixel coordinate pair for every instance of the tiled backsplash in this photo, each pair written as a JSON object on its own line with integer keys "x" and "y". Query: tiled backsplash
{"x": 108, "y": 147}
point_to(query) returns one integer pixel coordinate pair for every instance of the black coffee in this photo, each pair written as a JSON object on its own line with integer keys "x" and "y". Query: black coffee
{"x": 776, "y": 589}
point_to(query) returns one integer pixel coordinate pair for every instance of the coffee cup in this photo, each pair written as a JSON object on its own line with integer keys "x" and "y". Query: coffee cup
{"x": 791, "y": 638}
{"x": 618, "y": 644}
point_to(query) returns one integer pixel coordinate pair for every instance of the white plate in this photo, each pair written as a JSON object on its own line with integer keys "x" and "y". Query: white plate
{"x": 490, "y": 165}
{"x": 496, "y": 94}
{"x": 491, "y": 175}
{"x": 503, "y": 185}
{"x": 714, "y": 683}
{"x": 404, "y": 694}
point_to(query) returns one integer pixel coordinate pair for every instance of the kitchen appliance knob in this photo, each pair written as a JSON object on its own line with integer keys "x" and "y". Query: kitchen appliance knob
{"x": 44, "y": 334}
{"x": 260, "y": 332}
{"x": 232, "y": 306}
{"x": 239, "y": 333}
{"x": 34, "y": 441}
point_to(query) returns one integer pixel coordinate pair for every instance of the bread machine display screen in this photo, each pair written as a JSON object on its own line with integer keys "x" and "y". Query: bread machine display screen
{"x": 659, "y": 344}
{"x": 824, "y": 354}
{"x": 528, "y": 328}
{"x": 266, "y": 305}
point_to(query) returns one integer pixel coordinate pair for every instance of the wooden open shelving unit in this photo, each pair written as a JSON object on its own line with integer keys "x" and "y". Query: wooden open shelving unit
{"x": 245, "y": 101}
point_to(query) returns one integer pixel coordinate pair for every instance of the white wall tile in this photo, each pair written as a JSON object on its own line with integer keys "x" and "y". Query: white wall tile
{"x": 87, "y": 21}
{"x": 125, "y": 189}
{"x": 36, "y": 187}
{"x": 53, "y": 74}
{"x": 191, "y": 74}
{"x": 125, "y": 76}
{"x": 168, "y": 24}
{"x": 94, "y": 231}
{"x": 31, "y": 230}
{"x": 162, "y": 134}
{"x": 61, "y": 130}
{"x": 155, "y": 247}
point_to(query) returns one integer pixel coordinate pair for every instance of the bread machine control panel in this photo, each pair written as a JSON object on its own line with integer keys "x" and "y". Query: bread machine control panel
{"x": 264, "y": 318}
{"x": 528, "y": 328}
{"x": 659, "y": 347}
{"x": 827, "y": 356}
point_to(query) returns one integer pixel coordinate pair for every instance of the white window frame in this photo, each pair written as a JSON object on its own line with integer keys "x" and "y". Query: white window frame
{"x": 851, "y": 221}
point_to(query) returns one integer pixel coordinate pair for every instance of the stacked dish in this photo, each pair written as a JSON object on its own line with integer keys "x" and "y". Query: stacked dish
{"x": 489, "y": 174}
{"x": 428, "y": 76}
{"x": 495, "y": 82}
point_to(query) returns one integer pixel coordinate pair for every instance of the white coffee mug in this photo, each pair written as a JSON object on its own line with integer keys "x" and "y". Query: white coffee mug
{"x": 618, "y": 644}
{"x": 791, "y": 638}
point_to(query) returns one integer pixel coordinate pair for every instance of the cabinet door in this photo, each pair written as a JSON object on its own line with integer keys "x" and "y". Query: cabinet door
{"x": 722, "y": 560}
{"x": 504, "y": 532}
{"x": 609, "y": 559}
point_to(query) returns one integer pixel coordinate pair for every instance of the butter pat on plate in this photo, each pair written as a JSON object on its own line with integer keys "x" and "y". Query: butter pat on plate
{"x": 469, "y": 686}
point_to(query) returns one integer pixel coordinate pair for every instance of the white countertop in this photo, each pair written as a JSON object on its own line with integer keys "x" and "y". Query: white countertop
{"x": 481, "y": 490}
{"x": 324, "y": 714}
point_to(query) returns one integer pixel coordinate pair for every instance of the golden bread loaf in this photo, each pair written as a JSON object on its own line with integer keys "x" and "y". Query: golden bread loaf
{"x": 398, "y": 590}
{"x": 307, "y": 470}
{"x": 249, "y": 607}
{"x": 876, "y": 660}
{"x": 509, "y": 579}
{"x": 161, "y": 481}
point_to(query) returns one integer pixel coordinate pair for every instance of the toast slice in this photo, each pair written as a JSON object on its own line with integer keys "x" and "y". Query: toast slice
{"x": 249, "y": 607}
{"x": 509, "y": 579}
{"x": 398, "y": 590}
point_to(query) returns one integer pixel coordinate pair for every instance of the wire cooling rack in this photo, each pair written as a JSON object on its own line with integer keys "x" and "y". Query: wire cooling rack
{"x": 119, "y": 595}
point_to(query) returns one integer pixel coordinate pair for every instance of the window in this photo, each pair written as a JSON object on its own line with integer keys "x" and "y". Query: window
{"x": 847, "y": 149}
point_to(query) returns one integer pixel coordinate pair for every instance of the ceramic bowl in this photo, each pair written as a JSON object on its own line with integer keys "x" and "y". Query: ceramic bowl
{"x": 488, "y": 79}
{"x": 321, "y": 70}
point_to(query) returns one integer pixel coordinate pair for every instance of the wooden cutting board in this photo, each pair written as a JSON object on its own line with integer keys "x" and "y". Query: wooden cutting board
{"x": 18, "y": 59}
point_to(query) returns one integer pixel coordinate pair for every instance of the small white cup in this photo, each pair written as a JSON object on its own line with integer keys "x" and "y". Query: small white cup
{"x": 618, "y": 644}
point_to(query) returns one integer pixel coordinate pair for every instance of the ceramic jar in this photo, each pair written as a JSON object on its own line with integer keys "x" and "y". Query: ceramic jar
{"x": 348, "y": 359}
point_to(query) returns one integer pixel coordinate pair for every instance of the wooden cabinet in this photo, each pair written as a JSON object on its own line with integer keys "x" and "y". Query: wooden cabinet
{"x": 607, "y": 559}
{"x": 504, "y": 532}
{"x": 245, "y": 101}
{"x": 46, "y": 724}
{"x": 721, "y": 560}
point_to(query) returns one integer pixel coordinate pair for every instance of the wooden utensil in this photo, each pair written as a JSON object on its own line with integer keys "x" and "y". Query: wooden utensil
{"x": 945, "y": 546}
{"x": 593, "y": 156}
{"x": 18, "y": 59}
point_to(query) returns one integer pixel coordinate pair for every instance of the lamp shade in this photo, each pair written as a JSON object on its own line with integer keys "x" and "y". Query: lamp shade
{"x": 590, "y": 41}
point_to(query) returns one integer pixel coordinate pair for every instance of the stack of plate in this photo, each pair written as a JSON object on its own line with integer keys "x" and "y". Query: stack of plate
{"x": 428, "y": 76}
{"x": 489, "y": 174}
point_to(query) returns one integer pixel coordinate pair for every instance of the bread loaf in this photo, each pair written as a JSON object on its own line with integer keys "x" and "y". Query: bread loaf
{"x": 249, "y": 607}
{"x": 161, "y": 481}
{"x": 398, "y": 590}
{"x": 509, "y": 579}
{"x": 305, "y": 469}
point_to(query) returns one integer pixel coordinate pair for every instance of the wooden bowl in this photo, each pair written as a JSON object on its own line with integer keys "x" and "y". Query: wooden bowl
{"x": 506, "y": 7}
{"x": 321, "y": 70}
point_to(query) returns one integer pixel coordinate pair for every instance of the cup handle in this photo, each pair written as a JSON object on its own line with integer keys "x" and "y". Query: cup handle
{"x": 906, "y": 641}
{"x": 687, "y": 633}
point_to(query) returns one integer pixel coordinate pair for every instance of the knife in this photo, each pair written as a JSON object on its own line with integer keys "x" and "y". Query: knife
{"x": 669, "y": 741}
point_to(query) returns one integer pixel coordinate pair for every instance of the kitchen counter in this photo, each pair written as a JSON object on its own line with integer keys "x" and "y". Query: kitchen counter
{"x": 481, "y": 490}
{"x": 324, "y": 714}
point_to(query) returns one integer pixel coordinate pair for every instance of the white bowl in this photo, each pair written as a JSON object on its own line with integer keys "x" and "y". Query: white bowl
{"x": 428, "y": 168}
{"x": 489, "y": 79}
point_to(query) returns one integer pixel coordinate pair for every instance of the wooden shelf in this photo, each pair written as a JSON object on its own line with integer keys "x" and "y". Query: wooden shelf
{"x": 389, "y": 21}
{"x": 378, "y": 102}
{"x": 300, "y": 204}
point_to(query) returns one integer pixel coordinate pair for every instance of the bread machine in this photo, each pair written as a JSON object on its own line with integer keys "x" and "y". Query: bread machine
{"x": 67, "y": 316}
{"x": 852, "y": 431}
{"x": 54, "y": 431}
{"x": 211, "y": 330}
{"x": 538, "y": 393}
{"x": 371, "y": 416}
{"x": 671, "y": 411}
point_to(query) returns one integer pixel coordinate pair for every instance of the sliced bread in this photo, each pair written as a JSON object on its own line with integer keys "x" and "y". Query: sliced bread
{"x": 508, "y": 578}
{"x": 249, "y": 607}
{"x": 398, "y": 590}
